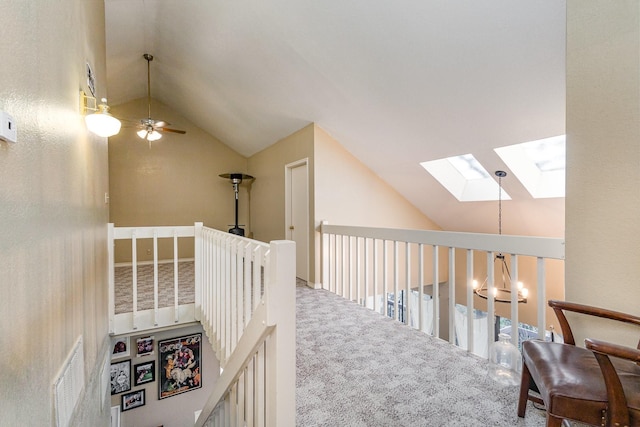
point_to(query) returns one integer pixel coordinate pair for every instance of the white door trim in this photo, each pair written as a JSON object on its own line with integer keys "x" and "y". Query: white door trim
{"x": 287, "y": 221}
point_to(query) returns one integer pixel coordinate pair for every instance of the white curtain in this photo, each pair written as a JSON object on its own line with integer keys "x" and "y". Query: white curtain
{"x": 379, "y": 303}
{"x": 414, "y": 312}
{"x": 480, "y": 332}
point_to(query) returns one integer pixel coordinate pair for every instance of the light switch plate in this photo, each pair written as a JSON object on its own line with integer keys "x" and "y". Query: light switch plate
{"x": 8, "y": 131}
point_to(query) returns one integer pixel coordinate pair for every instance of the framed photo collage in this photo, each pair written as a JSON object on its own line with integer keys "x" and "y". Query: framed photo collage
{"x": 179, "y": 367}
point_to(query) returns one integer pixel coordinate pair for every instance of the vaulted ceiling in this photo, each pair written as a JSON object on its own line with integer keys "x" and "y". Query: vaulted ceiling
{"x": 395, "y": 82}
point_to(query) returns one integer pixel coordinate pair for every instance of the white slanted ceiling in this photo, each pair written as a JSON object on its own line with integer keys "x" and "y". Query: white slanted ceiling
{"x": 397, "y": 83}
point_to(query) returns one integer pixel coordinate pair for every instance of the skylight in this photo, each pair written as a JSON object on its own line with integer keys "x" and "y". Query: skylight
{"x": 465, "y": 178}
{"x": 468, "y": 166}
{"x": 539, "y": 165}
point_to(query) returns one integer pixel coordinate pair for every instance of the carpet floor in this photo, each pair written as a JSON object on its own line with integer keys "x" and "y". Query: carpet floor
{"x": 357, "y": 368}
{"x": 123, "y": 279}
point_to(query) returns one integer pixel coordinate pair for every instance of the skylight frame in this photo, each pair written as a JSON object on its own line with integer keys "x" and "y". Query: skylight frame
{"x": 541, "y": 183}
{"x": 460, "y": 184}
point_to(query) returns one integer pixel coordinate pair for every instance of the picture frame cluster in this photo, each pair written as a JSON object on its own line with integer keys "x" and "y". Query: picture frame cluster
{"x": 179, "y": 367}
{"x": 123, "y": 377}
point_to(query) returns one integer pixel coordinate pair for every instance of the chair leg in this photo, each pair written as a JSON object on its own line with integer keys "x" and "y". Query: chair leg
{"x": 524, "y": 390}
{"x": 553, "y": 421}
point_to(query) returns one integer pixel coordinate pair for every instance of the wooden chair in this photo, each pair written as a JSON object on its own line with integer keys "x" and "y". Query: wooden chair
{"x": 597, "y": 385}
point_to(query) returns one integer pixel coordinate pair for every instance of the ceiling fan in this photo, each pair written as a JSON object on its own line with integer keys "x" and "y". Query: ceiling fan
{"x": 151, "y": 129}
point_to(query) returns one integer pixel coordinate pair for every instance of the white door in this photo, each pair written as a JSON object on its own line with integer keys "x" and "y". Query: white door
{"x": 297, "y": 214}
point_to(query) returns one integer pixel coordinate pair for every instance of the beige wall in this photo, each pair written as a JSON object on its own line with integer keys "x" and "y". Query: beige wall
{"x": 342, "y": 191}
{"x": 53, "y": 180}
{"x": 349, "y": 193}
{"x": 158, "y": 412}
{"x": 603, "y": 157}
{"x": 267, "y": 191}
{"x": 172, "y": 182}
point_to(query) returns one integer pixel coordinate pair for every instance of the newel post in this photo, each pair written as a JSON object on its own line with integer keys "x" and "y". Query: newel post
{"x": 280, "y": 299}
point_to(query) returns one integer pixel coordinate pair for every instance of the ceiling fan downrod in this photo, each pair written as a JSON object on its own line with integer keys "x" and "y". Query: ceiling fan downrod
{"x": 149, "y": 58}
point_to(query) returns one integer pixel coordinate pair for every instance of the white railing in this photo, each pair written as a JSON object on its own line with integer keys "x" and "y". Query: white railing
{"x": 374, "y": 266}
{"x": 245, "y": 300}
{"x": 245, "y": 297}
{"x": 135, "y": 319}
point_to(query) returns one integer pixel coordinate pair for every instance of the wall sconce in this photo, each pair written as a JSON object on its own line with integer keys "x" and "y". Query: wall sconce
{"x": 100, "y": 122}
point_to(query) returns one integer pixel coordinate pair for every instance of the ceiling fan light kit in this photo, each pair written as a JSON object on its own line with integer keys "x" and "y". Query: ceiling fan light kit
{"x": 149, "y": 134}
{"x": 100, "y": 122}
{"x": 151, "y": 129}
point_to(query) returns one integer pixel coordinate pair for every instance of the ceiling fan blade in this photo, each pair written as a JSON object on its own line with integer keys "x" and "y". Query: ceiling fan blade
{"x": 182, "y": 132}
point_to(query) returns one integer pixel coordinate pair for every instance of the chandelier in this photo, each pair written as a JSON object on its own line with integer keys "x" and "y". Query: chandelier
{"x": 501, "y": 293}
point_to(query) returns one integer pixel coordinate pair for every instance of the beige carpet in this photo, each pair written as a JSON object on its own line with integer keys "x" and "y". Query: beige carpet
{"x": 124, "y": 286}
{"x": 357, "y": 368}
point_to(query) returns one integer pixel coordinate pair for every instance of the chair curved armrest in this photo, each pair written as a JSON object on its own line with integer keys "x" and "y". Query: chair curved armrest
{"x": 559, "y": 307}
{"x": 618, "y": 413}
{"x": 614, "y": 350}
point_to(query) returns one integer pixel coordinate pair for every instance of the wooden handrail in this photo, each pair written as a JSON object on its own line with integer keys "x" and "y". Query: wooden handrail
{"x": 611, "y": 349}
{"x": 559, "y": 307}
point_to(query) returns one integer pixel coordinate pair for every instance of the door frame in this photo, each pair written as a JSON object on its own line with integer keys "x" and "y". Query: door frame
{"x": 287, "y": 203}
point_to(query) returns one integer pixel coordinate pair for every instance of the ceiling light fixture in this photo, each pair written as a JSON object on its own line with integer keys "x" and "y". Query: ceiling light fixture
{"x": 100, "y": 122}
{"x": 503, "y": 293}
{"x": 150, "y": 134}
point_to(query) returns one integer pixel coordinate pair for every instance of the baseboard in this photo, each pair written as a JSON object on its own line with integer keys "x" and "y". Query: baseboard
{"x": 162, "y": 261}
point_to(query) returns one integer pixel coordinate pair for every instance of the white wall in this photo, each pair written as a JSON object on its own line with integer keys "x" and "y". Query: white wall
{"x": 603, "y": 158}
{"x": 53, "y": 277}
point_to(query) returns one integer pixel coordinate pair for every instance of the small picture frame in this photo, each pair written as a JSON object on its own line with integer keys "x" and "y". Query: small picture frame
{"x": 144, "y": 373}
{"x": 120, "y": 347}
{"x": 145, "y": 346}
{"x": 132, "y": 400}
{"x": 91, "y": 79}
{"x": 120, "y": 376}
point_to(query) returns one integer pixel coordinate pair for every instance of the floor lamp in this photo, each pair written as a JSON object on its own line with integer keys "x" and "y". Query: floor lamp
{"x": 236, "y": 178}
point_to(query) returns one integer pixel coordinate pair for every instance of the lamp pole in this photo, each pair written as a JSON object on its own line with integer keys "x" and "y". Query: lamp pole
{"x": 236, "y": 179}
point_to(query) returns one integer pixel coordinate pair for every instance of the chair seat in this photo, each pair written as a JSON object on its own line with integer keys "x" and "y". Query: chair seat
{"x": 562, "y": 382}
